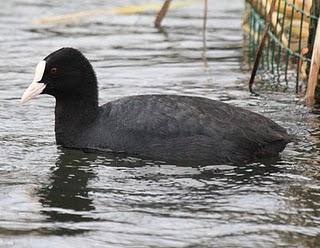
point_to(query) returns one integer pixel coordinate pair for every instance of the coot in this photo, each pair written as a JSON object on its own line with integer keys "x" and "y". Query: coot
{"x": 160, "y": 127}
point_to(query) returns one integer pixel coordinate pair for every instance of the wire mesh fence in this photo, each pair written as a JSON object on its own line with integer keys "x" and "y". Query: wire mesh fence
{"x": 288, "y": 50}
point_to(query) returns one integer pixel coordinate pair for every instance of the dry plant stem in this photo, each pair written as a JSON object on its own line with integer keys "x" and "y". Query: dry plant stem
{"x": 204, "y": 33}
{"x": 314, "y": 69}
{"x": 261, "y": 46}
{"x": 162, "y": 13}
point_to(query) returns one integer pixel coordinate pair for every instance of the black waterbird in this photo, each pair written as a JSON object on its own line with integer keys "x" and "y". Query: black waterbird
{"x": 161, "y": 127}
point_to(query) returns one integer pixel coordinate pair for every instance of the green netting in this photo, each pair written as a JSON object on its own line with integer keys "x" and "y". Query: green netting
{"x": 289, "y": 45}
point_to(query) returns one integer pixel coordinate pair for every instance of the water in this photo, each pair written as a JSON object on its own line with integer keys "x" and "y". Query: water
{"x": 52, "y": 197}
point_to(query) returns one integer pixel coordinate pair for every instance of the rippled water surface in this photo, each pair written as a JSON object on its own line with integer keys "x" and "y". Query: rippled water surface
{"x": 52, "y": 197}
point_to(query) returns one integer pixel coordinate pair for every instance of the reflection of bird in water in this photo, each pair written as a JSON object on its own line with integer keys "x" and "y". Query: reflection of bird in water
{"x": 65, "y": 196}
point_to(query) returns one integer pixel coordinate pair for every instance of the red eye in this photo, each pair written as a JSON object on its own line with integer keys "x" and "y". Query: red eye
{"x": 53, "y": 70}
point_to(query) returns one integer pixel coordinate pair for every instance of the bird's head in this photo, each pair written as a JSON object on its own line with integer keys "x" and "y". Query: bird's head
{"x": 63, "y": 73}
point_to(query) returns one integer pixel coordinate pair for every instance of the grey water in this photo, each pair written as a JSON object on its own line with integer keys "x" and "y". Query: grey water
{"x": 53, "y": 197}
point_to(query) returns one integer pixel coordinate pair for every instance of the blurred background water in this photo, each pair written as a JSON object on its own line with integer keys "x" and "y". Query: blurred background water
{"x": 52, "y": 197}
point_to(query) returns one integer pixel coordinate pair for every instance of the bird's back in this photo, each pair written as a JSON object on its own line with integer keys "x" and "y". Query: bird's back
{"x": 184, "y": 128}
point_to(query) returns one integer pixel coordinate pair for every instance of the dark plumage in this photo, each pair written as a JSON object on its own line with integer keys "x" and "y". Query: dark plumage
{"x": 161, "y": 127}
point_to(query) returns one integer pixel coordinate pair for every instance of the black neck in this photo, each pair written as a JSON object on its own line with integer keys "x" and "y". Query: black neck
{"x": 73, "y": 115}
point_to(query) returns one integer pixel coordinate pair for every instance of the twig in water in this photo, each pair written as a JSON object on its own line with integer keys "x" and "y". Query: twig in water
{"x": 261, "y": 46}
{"x": 162, "y": 13}
{"x": 314, "y": 69}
